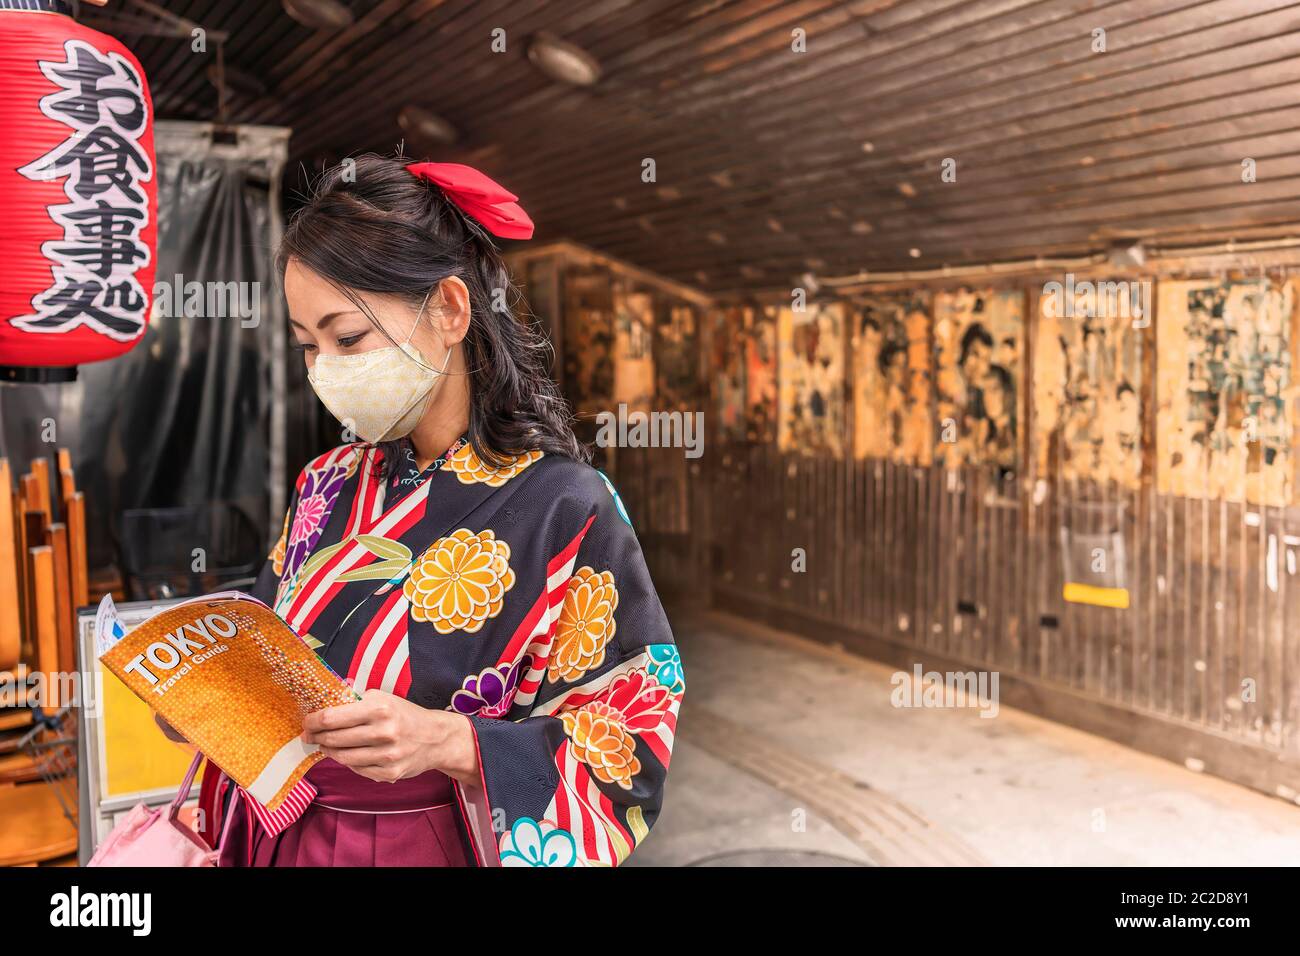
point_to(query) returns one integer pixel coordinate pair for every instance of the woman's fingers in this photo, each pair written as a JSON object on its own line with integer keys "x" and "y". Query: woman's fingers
{"x": 337, "y": 718}
{"x": 363, "y": 735}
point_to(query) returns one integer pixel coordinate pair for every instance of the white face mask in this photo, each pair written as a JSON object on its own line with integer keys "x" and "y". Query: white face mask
{"x": 381, "y": 394}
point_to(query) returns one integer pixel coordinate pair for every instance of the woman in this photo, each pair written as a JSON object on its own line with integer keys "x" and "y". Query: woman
{"x": 459, "y": 562}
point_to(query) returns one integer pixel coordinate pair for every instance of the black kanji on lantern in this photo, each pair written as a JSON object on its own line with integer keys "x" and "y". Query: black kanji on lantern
{"x": 103, "y": 166}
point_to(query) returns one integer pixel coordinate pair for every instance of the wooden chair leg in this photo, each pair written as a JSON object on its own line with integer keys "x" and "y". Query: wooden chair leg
{"x": 40, "y": 488}
{"x": 19, "y": 767}
{"x": 33, "y": 498}
{"x": 56, "y": 537}
{"x": 67, "y": 480}
{"x": 77, "y": 550}
{"x": 45, "y": 604}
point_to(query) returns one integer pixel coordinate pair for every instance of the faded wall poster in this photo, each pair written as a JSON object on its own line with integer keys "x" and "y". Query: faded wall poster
{"x": 727, "y": 369}
{"x": 676, "y": 360}
{"x": 979, "y": 376}
{"x": 589, "y": 341}
{"x": 677, "y": 368}
{"x": 1226, "y": 360}
{"x": 1088, "y": 384}
{"x": 811, "y": 376}
{"x": 892, "y": 382}
{"x": 760, "y": 376}
{"x": 634, "y": 365}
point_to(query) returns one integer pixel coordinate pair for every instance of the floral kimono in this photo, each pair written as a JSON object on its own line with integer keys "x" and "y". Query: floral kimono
{"x": 516, "y": 596}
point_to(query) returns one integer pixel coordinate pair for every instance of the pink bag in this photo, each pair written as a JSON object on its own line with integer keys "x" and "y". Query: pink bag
{"x": 148, "y": 837}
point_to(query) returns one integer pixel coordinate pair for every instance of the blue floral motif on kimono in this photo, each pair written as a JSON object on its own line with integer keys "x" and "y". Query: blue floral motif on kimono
{"x": 666, "y": 666}
{"x": 530, "y": 844}
{"x": 618, "y": 501}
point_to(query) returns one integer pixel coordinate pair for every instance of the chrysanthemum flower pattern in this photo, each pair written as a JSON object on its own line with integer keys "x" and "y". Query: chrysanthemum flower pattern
{"x": 603, "y": 731}
{"x": 470, "y": 469}
{"x": 603, "y": 743}
{"x": 460, "y": 583}
{"x": 586, "y": 625}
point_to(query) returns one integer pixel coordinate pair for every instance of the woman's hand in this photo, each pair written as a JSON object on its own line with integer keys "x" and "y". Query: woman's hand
{"x": 388, "y": 738}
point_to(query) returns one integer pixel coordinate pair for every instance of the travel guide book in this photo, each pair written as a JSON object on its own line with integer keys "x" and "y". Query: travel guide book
{"x": 233, "y": 679}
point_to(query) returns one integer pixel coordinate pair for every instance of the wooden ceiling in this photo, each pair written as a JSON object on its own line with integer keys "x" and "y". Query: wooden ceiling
{"x": 772, "y": 163}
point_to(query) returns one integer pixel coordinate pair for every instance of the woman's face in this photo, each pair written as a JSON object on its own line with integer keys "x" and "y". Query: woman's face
{"x": 326, "y": 322}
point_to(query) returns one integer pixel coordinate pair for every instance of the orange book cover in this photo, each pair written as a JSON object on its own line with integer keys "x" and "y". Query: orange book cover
{"x": 233, "y": 678}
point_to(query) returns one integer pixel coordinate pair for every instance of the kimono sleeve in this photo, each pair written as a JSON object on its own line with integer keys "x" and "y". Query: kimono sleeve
{"x": 577, "y": 778}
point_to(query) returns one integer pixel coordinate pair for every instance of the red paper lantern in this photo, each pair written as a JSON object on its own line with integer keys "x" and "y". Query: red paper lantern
{"x": 78, "y": 188}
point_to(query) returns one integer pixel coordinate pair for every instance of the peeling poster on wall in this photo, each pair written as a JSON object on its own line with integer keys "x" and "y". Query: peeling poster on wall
{"x": 760, "y": 376}
{"x": 676, "y": 360}
{"x": 1226, "y": 358}
{"x": 1088, "y": 385}
{"x": 727, "y": 368}
{"x": 979, "y": 376}
{"x": 892, "y": 379}
{"x": 811, "y": 370}
{"x": 634, "y": 365}
{"x": 588, "y": 341}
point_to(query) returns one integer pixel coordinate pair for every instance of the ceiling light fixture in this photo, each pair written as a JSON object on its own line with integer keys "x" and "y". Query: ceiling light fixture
{"x": 563, "y": 61}
{"x": 319, "y": 14}
{"x": 425, "y": 127}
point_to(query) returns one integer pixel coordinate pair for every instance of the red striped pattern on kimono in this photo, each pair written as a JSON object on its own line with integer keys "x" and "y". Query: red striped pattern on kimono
{"x": 537, "y": 630}
{"x": 367, "y": 494}
{"x": 294, "y": 805}
{"x": 580, "y": 807}
{"x": 323, "y": 587}
{"x": 383, "y": 656}
{"x": 660, "y": 738}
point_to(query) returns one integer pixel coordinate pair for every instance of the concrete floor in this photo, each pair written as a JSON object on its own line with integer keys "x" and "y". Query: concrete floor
{"x": 791, "y": 753}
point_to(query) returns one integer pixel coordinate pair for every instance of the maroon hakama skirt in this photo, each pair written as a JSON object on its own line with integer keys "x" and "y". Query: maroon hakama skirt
{"x": 355, "y": 821}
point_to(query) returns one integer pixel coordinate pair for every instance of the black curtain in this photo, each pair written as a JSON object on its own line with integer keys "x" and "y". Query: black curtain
{"x": 184, "y": 419}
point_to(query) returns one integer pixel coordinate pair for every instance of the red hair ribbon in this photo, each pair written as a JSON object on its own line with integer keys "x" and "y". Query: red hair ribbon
{"x": 493, "y": 206}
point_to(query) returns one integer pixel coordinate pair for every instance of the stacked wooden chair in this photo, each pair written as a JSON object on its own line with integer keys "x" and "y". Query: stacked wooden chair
{"x": 43, "y": 580}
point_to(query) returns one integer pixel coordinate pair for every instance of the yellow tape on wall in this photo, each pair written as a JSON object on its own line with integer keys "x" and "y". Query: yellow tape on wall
{"x": 1091, "y": 594}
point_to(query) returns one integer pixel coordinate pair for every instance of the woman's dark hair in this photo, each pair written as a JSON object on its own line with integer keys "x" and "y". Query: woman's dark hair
{"x": 369, "y": 225}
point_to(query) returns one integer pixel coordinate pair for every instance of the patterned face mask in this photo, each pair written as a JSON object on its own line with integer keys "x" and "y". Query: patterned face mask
{"x": 381, "y": 394}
